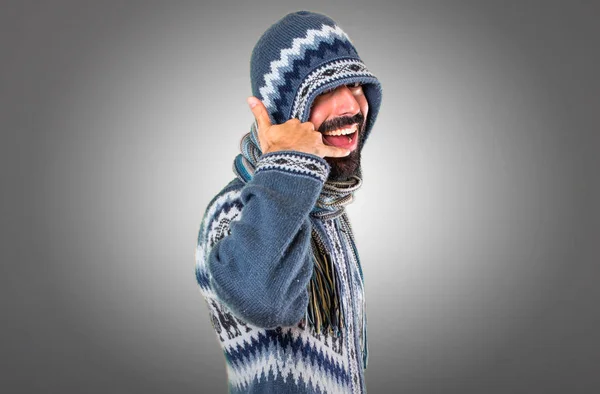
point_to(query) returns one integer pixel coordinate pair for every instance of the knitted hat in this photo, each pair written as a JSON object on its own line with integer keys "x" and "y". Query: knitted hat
{"x": 301, "y": 56}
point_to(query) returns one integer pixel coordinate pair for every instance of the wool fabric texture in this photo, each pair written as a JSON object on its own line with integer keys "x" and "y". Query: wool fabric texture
{"x": 276, "y": 259}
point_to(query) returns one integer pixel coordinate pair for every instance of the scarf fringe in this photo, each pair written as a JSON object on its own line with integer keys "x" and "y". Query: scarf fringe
{"x": 325, "y": 309}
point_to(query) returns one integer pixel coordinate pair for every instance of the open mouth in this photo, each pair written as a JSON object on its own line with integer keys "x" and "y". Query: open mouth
{"x": 344, "y": 138}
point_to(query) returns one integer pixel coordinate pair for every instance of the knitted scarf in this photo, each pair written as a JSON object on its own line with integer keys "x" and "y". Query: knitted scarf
{"x": 325, "y": 312}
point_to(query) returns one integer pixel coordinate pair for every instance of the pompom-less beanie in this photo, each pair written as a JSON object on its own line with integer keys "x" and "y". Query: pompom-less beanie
{"x": 301, "y": 56}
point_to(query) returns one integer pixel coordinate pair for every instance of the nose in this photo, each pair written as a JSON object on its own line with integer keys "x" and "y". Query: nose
{"x": 345, "y": 103}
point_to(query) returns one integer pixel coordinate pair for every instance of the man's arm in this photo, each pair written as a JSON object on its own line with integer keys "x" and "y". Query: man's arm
{"x": 262, "y": 268}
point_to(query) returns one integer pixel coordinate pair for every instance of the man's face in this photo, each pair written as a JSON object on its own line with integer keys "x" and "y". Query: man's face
{"x": 340, "y": 115}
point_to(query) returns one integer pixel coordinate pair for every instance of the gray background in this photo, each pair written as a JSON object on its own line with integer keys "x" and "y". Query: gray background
{"x": 477, "y": 224}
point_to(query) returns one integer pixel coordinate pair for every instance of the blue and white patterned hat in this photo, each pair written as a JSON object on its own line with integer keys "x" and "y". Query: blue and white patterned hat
{"x": 301, "y": 56}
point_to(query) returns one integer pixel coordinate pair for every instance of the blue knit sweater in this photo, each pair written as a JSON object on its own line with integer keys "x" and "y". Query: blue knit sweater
{"x": 253, "y": 265}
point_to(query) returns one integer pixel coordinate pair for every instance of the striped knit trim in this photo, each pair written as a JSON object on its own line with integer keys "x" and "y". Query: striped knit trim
{"x": 294, "y": 162}
{"x": 313, "y": 38}
{"x": 325, "y": 75}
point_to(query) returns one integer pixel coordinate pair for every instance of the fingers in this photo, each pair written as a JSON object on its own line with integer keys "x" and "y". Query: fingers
{"x": 260, "y": 113}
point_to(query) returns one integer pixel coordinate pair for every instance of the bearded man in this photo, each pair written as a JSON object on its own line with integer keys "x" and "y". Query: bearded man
{"x": 276, "y": 259}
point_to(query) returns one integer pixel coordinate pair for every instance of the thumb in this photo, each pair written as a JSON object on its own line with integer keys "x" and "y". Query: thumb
{"x": 260, "y": 113}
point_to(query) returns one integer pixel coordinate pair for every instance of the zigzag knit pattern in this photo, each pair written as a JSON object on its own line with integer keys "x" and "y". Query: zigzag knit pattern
{"x": 287, "y": 72}
{"x": 298, "y": 51}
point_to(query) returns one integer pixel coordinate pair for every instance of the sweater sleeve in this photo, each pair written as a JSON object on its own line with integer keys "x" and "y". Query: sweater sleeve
{"x": 261, "y": 268}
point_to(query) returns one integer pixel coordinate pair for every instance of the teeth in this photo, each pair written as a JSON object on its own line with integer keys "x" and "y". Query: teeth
{"x": 346, "y": 131}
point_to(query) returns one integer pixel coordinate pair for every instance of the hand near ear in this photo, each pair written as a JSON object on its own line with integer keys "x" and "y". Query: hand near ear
{"x": 291, "y": 135}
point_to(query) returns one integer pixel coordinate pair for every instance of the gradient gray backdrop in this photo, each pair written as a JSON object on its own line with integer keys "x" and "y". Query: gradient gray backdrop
{"x": 477, "y": 223}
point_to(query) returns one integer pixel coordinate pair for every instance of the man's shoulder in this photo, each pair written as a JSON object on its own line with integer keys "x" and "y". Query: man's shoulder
{"x": 225, "y": 207}
{"x": 230, "y": 194}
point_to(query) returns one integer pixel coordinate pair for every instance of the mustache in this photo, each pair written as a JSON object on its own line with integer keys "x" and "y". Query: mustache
{"x": 341, "y": 122}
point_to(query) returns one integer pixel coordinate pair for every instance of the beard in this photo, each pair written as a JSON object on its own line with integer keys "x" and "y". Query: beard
{"x": 342, "y": 168}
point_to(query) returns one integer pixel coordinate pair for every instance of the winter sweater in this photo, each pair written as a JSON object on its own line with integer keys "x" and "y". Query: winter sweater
{"x": 253, "y": 264}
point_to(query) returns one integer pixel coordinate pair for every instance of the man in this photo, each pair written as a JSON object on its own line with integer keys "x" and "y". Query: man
{"x": 276, "y": 259}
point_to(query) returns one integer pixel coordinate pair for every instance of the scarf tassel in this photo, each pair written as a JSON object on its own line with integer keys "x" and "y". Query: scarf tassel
{"x": 325, "y": 310}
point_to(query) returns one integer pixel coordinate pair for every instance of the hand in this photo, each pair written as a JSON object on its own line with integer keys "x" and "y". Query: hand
{"x": 291, "y": 135}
